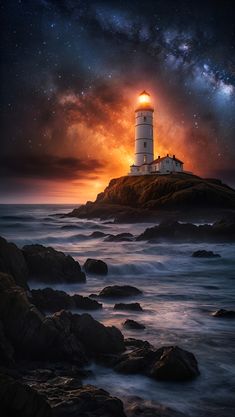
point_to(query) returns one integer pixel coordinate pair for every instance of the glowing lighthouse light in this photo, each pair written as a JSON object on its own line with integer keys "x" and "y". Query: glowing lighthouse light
{"x": 144, "y": 98}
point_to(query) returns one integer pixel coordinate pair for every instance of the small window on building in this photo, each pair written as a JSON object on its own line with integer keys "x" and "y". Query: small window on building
{"x": 145, "y": 144}
{"x": 145, "y": 159}
{"x": 144, "y": 118}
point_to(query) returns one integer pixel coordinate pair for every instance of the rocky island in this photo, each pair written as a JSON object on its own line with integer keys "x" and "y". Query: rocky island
{"x": 177, "y": 196}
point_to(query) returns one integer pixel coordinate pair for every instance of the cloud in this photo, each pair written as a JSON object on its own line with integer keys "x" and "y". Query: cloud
{"x": 48, "y": 167}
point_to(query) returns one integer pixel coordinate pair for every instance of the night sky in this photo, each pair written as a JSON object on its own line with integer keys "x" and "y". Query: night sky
{"x": 71, "y": 72}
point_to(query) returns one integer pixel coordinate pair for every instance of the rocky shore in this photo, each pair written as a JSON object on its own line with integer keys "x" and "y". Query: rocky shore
{"x": 44, "y": 358}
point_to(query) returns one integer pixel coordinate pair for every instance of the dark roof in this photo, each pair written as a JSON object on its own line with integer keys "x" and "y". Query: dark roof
{"x": 144, "y": 92}
{"x": 164, "y": 157}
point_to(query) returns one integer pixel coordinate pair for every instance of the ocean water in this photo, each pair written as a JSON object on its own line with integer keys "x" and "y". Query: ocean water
{"x": 179, "y": 295}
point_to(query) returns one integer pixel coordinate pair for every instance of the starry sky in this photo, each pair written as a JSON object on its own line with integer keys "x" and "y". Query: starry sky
{"x": 71, "y": 73}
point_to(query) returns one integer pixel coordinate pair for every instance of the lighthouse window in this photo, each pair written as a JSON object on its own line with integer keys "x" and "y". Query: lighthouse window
{"x": 144, "y": 118}
{"x": 145, "y": 144}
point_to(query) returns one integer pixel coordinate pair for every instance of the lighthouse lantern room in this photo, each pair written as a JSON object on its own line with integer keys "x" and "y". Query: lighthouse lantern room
{"x": 144, "y": 143}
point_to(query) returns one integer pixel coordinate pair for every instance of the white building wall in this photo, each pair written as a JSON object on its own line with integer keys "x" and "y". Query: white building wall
{"x": 144, "y": 152}
{"x": 167, "y": 165}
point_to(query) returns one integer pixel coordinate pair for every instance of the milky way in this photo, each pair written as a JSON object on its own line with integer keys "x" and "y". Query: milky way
{"x": 71, "y": 72}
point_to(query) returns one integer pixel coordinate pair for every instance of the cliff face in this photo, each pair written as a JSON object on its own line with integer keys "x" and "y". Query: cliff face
{"x": 146, "y": 195}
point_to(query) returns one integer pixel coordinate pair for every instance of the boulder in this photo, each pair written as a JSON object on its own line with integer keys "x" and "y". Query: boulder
{"x": 205, "y": 254}
{"x": 133, "y": 325}
{"x": 6, "y": 349}
{"x": 17, "y": 399}
{"x": 50, "y": 300}
{"x": 95, "y": 266}
{"x": 224, "y": 313}
{"x": 130, "y": 342}
{"x": 121, "y": 237}
{"x": 98, "y": 235}
{"x": 48, "y": 265}
{"x": 32, "y": 335}
{"x": 130, "y": 306}
{"x": 68, "y": 398}
{"x": 96, "y": 337}
{"x": 114, "y": 291}
{"x": 169, "y": 363}
{"x": 13, "y": 262}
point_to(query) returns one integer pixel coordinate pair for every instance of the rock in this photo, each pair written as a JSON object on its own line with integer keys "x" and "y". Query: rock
{"x": 143, "y": 198}
{"x": 174, "y": 364}
{"x": 17, "y": 399}
{"x": 96, "y": 266}
{"x": 138, "y": 407}
{"x": 96, "y": 337}
{"x": 224, "y": 313}
{"x": 205, "y": 254}
{"x": 114, "y": 291}
{"x": 133, "y": 325}
{"x": 97, "y": 235}
{"x": 137, "y": 343}
{"x": 167, "y": 363}
{"x": 50, "y": 300}
{"x": 68, "y": 400}
{"x": 6, "y": 349}
{"x": 45, "y": 264}
{"x": 121, "y": 237}
{"x": 130, "y": 306}
{"x": 13, "y": 262}
{"x": 32, "y": 335}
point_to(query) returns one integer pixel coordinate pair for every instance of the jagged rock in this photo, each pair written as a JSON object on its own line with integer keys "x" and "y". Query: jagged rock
{"x": 167, "y": 363}
{"x": 96, "y": 266}
{"x": 17, "y": 399}
{"x": 96, "y": 337}
{"x": 121, "y": 237}
{"x": 67, "y": 398}
{"x": 50, "y": 300}
{"x": 133, "y": 325}
{"x": 48, "y": 265}
{"x": 224, "y": 313}
{"x": 13, "y": 262}
{"x": 119, "y": 291}
{"x": 130, "y": 306}
{"x": 205, "y": 254}
{"x": 32, "y": 335}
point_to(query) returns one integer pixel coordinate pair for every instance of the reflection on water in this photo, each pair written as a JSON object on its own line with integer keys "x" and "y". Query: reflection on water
{"x": 179, "y": 294}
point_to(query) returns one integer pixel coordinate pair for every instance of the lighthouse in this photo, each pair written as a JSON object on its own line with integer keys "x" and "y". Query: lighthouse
{"x": 144, "y": 153}
{"x": 144, "y": 162}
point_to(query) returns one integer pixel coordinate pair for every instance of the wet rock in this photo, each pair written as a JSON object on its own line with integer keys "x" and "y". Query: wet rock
{"x": 45, "y": 264}
{"x": 68, "y": 399}
{"x": 6, "y": 349}
{"x": 224, "y": 313}
{"x": 205, "y": 254}
{"x": 138, "y": 407}
{"x": 97, "y": 235}
{"x": 32, "y": 335}
{"x": 121, "y": 237}
{"x": 13, "y": 262}
{"x": 95, "y": 266}
{"x": 130, "y": 306}
{"x": 119, "y": 291}
{"x": 96, "y": 337}
{"x": 133, "y": 325}
{"x": 17, "y": 399}
{"x": 169, "y": 363}
{"x": 50, "y": 300}
{"x": 137, "y": 343}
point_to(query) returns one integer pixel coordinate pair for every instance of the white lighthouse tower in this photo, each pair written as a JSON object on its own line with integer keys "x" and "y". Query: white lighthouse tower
{"x": 144, "y": 153}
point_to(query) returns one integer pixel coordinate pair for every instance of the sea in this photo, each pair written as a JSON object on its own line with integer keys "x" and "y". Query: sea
{"x": 179, "y": 295}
